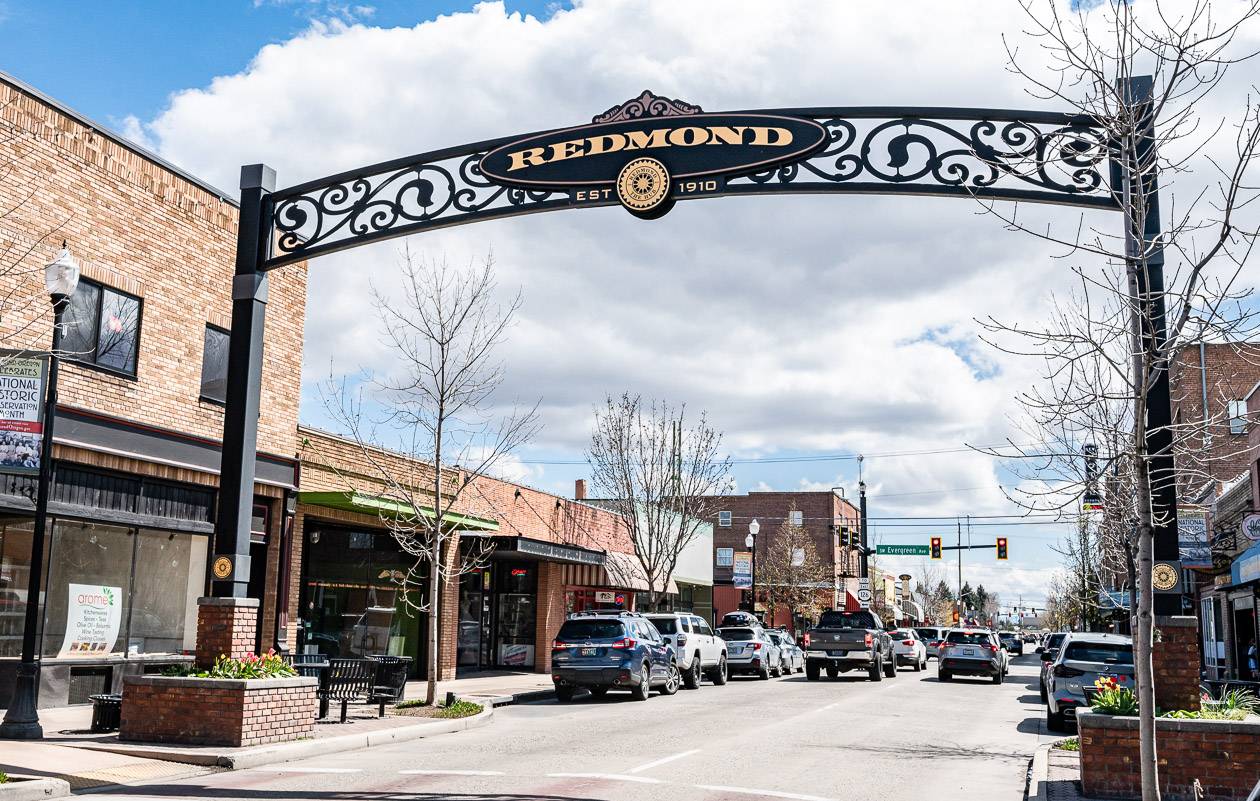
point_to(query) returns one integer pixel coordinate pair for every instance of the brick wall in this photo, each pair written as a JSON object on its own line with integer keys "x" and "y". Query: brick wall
{"x": 549, "y": 613}
{"x": 225, "y": 627}
{"x": 140, "y": 227}
{"x": 224, "y": 712}
{"x": 1223, "y": 756}
{"x": 1233, "y": 369}
{"x": 523, "y": 511}
{"x": 1175, "y": 659}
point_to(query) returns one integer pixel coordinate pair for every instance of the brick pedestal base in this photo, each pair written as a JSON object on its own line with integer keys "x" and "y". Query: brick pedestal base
{"x": 225, "y": 626}
{"x": 1175, "y": 658}
{"x": 228, "y": 712}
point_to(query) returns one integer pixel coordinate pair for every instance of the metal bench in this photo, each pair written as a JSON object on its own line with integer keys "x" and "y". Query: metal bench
{"x": 391, "y": 680}
{"x": 346, "y": 680}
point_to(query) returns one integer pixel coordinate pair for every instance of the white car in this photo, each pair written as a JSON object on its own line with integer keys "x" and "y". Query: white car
{"x": 790, "y": 654}
{"x": 909, "y": 649}
{"x": 699, "y": 651}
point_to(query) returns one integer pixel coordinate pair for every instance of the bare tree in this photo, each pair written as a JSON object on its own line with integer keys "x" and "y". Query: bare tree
{"x": 791, "y": 574}
{"x": 443, "y": 328}
{"x": 1107, "y": 351}
{"x": 660, "y": 475}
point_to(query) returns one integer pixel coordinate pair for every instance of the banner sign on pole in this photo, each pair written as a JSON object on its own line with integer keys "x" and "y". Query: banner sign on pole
{"x": 22, "y": 380}
{"x": 1192, "y": 538}
{"x": 93, "y": 617}
{"x": 741, "y": 570}
{"x": 1091, "y": 500}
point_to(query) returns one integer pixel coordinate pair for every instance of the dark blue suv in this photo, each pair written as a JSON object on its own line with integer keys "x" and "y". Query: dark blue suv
{"x": 602, "y": 651}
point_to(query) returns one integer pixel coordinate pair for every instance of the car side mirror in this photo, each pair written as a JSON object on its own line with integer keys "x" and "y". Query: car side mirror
{"x": 1046, "y": 656}
{"x": 1039, "y": 650}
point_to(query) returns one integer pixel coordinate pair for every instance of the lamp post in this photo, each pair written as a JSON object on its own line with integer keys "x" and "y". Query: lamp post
{"x": 750, "y": 542}
{"x": 21, "y": 721}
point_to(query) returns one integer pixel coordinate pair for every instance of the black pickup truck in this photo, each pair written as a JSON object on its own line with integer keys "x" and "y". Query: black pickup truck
{"x": 844, "y": 641}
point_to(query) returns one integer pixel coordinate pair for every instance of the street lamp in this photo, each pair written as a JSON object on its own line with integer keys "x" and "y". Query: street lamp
{"x": 750, "y": 542}
{"x": 21, "y": 721}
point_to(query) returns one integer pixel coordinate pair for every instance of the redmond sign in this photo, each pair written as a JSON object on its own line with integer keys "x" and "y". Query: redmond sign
{"x": 645, "y": 154}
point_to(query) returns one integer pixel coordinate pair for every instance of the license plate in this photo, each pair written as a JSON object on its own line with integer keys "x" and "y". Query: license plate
{"x": 969, "y": 652}
{"x": 836, "y": 653}
{"x": 588, "y": 651}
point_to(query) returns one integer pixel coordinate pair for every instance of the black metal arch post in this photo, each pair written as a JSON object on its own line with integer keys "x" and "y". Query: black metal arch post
{"x": 996, "y": 154}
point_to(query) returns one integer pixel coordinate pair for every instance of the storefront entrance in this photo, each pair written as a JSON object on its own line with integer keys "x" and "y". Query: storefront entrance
{"x": 497, "y": 617}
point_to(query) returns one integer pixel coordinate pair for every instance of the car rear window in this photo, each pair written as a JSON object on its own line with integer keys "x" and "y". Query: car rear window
{"x": 590, "y": 629}
{"x": 665, "y": 625}
{"x": 969, "y": 637}
{"x": 1055, "y": 640}
{"x": 1109, "y": 652}
{"x": 847, "y": 620}
{"x": 928, "y": 634}
{"x": 900, "y": 634}
{"x": 737, "y": 634}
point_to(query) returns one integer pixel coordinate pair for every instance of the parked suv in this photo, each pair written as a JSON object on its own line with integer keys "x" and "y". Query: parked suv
{"x": 972, "y": 652}
{"x": 932, "y": 637}
{"x": 697, "y": 648}
{"x": 750, "y": 650}
{"x": 1082, "y": 660}
{"x": 1049, "y": 652}
{"x": 602, "y": 651}
{"x": 1012, "y": 641}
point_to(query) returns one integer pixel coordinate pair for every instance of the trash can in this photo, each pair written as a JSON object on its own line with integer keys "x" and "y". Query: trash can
{"x": 106, "y": 712}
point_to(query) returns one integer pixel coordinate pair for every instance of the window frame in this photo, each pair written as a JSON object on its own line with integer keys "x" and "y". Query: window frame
{"x": 201, "y": 386}
{"x": 1237, "y": 412}
{"x": 724, "y": 518}
{"x": 79, "y": 359}
{"x": 729, "y": 553}
{"x": 796, "y": 517}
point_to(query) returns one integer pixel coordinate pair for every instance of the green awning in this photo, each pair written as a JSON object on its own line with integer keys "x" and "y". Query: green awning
{"x": 376, "y": 505}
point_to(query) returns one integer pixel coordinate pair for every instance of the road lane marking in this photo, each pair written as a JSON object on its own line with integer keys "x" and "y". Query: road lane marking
{"x": 664, "y": 760}
{"x": 282, "y": 769}
{"x": 749, "y": 791}
{"x": 451, "y": 772}
{"x": 614, "y": 777}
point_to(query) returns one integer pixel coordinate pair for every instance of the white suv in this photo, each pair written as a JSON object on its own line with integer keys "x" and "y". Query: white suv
{"x": 698, "y": 650}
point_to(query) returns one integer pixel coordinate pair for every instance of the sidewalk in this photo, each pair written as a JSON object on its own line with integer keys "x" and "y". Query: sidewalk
{"x": 492, "y": 688}
{"x": 1055, "y": 775}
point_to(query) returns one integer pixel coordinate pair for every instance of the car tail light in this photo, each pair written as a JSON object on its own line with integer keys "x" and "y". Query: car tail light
{"x": 868, "y": 638}
{"x": 807, "y": 639}
{"x": 682, "y": 640}
{"x": 935, "y": 644}
{"x": 559, "y": 645}
{"x": 993, "y": 648}
{"x": 756, "y": 646}
{"x": 624, "y": 644}
{"x": 907, "y": 642}
{"x": 1065, "y": 672}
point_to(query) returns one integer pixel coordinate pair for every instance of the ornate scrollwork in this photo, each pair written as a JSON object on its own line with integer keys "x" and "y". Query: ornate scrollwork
{"x": 1011, "y": 155}
{"x": 965, "y": 156}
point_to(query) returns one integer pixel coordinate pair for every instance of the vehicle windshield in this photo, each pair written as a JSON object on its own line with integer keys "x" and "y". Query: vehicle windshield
{"x": 665, "y": 625}
{"x": 590, "y": 630}
{"x": 737, "y": 634}
{"x": 847, "y": 620}
{"x": 969, "y": 637}
{"x": 928, "y": 634}
{"x": 1114, "y": 653}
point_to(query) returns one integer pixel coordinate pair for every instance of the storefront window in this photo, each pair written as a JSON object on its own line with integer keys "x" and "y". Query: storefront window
{"x": 89, "y": 577}
{"x": 170, "y": 573}
{"x": 516, "y": 607}
{"x": 15, "y": 568}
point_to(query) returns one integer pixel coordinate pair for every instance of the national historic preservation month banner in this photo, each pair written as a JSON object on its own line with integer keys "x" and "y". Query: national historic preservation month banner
{"x": 741, "y": 571}
{"x": 22, "y": 380}
{"x": 93, "y": 617}
{"x": 1192, "y": 536}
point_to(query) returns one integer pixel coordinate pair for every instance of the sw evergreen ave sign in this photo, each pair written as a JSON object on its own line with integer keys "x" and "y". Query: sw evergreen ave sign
{"x": 901, "y": 550}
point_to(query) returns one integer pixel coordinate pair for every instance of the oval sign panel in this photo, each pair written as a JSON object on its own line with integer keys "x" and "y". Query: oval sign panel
{"x": 640, "y": 161}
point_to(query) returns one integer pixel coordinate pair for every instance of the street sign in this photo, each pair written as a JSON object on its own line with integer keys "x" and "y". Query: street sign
{"x": 864, "y": 595}
{"x": 902, "y": 550}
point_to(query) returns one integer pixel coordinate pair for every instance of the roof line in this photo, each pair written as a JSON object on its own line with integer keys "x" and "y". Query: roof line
{"x": 142, "y": 152}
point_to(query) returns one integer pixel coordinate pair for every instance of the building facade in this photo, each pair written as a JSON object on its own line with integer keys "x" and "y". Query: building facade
{"x": 140, "y": 412}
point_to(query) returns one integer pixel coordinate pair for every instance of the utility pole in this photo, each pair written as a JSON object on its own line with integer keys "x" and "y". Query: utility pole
{"x": 863, "y": 555}
{"x": 960, "y": 597}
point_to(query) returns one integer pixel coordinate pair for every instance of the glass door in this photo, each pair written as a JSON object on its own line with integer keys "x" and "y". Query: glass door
{"x": 471, "y": 600}
{"x": 515, "y": 602}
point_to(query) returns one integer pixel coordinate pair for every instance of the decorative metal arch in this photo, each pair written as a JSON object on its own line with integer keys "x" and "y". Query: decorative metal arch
{"x": 1000, "y": 154}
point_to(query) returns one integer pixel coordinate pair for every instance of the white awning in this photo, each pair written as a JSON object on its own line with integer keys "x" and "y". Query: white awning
{"x": 912, "y": 610}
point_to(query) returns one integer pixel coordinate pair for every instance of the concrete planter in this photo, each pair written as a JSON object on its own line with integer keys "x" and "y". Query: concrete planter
{"x": 22, "y": 788}
{"x": 223, "y": 712}
{"x": 1224, "y": 756}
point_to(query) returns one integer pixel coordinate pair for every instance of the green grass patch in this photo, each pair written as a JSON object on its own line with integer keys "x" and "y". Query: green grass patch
{"x": 1070, "y": 744}
{"x": 412, "y": 704}
{"x": 4, "y": 777}
{"x": 459, "y": 709}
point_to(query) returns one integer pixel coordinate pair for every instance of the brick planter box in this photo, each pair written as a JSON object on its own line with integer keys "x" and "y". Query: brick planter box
{"x": 1223, "y": 755}
{"x": 226, "y": 712}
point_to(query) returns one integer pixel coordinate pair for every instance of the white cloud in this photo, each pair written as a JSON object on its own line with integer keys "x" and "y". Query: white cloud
{"x": 802, "y": 324}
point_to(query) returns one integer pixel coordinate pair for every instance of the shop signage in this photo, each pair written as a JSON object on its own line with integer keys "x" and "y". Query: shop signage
{"x": 741, "y": 571}
{"x": 1247, "y": 566}
{"x": 553, "y": 552}
{"x": 648, "y": 156}
{"x": 22, "y": 380}
{"x": 93, "y": 616}
{"x": 605, "y": 597}
{"x": 1192, "y": 538}
{"x": 1251, "y": 527}
{"x": 902, "y": 550}
{"x": 1091, "y": 499}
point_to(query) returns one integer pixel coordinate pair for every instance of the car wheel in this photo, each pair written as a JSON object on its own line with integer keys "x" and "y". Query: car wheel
{"x": 564, "y": 693}
{"x": 673, "y": 680}
{"x": 812, "y": 671}
{"x": 890, "y": 668}
{"x": 1054, "y": 721}
{"x": 722, "y": 673}
{"x": 918, "y": 666}
{"x": 644, "y": 688}
{"x": 832, "y": 672}
{"x": 692, "y": 679}
{"x": 997, "y": 677}
{"x": 876, "y": 671}
{"x": 764, "y": 675}
{"x": 598, "y": 692}
{"x": 944, "y": 675}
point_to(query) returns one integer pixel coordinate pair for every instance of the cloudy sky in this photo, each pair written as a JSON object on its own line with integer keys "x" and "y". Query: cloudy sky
{"x": 805, "y": 326}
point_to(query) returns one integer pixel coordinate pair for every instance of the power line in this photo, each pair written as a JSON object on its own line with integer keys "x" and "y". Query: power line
{"x": 838, "y": 457}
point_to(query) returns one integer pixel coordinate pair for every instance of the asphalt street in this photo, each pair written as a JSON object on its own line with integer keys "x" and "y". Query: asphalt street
{"x": 849, "y": 740}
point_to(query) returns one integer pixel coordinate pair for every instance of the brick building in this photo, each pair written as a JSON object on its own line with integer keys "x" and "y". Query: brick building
{"x": 1214, "y": 445}
{"x": 829, "y": 519}
{"x": 140, "y": 410}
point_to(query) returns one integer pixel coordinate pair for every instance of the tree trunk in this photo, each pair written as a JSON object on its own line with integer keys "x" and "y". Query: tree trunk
{"x": 435, "y": 570}
{"x": 1143, "y": 638}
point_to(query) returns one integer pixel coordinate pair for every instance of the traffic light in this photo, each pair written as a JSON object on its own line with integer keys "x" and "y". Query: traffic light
{"x": 955, "y": 615}
{"x": 1001, "y": 548}
{"x": 936, "y": 547}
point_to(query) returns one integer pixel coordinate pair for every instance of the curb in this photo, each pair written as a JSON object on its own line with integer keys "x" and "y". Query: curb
{"x": 515, "y": 698}
{"x": 33, "y": 789}
{"x": 287, "y": 752}
{"x": 1039, "y": 773}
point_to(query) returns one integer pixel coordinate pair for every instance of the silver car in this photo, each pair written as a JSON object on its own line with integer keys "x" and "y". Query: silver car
{"x": 1083, "y": 659}
{"x": 790, "y": 654}
{"x": 751, "y": 651}
{"x": 932, "y": 637}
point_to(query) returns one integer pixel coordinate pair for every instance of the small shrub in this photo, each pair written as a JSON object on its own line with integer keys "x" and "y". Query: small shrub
{"x": 459, "y": 709}
{"x": 412, "y": 704}
{"x": 1070, "y": 744}
{"x": 268, "y": 666}
{"x": 1112, "y": 699}
{"x": 4, "y": 777}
